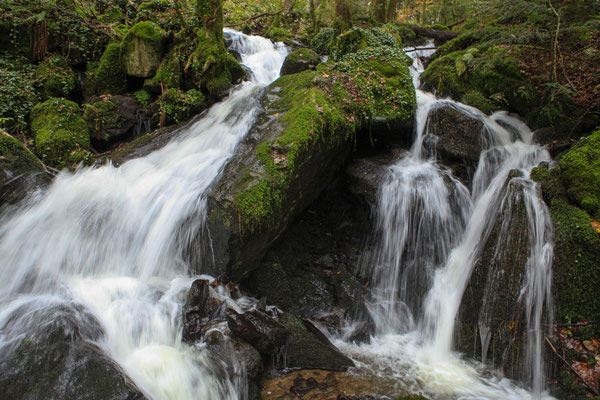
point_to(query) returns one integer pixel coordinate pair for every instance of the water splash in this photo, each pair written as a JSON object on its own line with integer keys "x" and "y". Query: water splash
{"x": 109, "y": 240}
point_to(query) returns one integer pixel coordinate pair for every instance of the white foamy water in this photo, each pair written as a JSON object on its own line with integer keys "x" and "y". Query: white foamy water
{"x": 111, "y": 241}
{"x": 431, "y": 230}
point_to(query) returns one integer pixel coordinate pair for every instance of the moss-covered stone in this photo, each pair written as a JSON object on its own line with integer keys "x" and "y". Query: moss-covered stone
{"x": 55, "y": 77}
{"x": 278, "y": 34}
{"x": 143, "y": 48}
{"x": 212, "y": 68}
{"x": 100, "y": 116}
{"x": 302, "y": 137}
{"x": 108, "y": 77}
{"x": 170, "y": 71}
{"x": 357, "y": 39}
{"x": 179, "y": 106}
{"x": 576, "y": 267}
{"x": 580, "y": 171}
{"x": 61, "y": 134}
{"x": 299, "y": 60}
{"x": 20, "y": 170}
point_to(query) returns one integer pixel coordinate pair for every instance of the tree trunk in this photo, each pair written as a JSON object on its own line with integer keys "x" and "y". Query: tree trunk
{"x": 210, "y": 15}
{"x": 343, "y": 20}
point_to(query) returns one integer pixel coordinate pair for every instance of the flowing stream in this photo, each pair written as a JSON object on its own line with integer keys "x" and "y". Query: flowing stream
{"x": 109, "y": 240}
{"x": 431, "y": 230}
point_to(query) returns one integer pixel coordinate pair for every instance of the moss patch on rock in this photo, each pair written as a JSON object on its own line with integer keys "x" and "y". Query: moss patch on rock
{"x": 299, "y": 60}
{"x": 16, "y": 158}
{"x": 100, "y": 116}
{"x": 580, "y": 170}
{"x": 143, "y": 48}
{"x": 109, "y": 76}
{"x": 179, "y": 106}
{"x": 55, "y": 77}
{"x": 212, "y": 68}
{"x": 61, "y": 134}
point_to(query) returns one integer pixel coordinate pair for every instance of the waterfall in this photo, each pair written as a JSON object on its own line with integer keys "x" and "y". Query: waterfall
{"x": 431, "y": 230}
{"x": 108, "y": 240}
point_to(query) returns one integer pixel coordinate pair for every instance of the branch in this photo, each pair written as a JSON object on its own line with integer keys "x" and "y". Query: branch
{"x": 420, "y": 48}
{"x": 591, "y": 389}
{"x": 441, "y": 36}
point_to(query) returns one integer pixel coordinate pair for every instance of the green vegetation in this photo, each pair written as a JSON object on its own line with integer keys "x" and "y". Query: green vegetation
{"x": 55, "y": 77}
{"x": 15, "y": 157}
{"x": 179, "y": 106}
{"x": 108, "y": 77}
{"x": 61, "y": 135}
{"x": 100, "y": 116}
{"x": 17, "y": 95}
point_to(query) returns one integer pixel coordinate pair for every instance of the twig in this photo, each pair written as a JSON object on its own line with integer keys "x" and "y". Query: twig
{"x": 420, "y": 48}
{"x": 456, "y": 23}
{"x": 591, "y": 389}
{"x": 555, "y": 44}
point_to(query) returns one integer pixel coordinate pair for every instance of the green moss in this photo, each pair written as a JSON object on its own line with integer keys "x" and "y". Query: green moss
{"x": 170, "y": 72}
{"x": 142, "y": 49}
{"x": 278, "y": 34}
{"x": 576, "y": 267}
{"x": 303, "y": 55}
{"x": 109, "y": 76}
{"x": 143, "y": 97}
{"x": 146, "y": 30}
{"x": 55, "y": 77}
{"x": 17, "y": 95}
{"x": 180, "y": 106}
{"x": 476, "y": 99}
{"x": 322, "y": 40}
{"x": 493, "y": 72}
{"x": 100, "y": 116}
{"x": 212, "y": 68}
{"x": 60, "y": 132}
{"x": 580, "y": 169}
{"x": 15, "y": 157}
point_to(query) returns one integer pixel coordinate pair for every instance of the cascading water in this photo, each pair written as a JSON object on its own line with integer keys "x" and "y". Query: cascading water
{"x": 108, "y": 240}
{"x": 431, "y": 230}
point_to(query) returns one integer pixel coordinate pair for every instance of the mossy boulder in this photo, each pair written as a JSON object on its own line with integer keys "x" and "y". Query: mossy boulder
{"x": 178, "y": 106}
{"x": 61, "y": 134}
{"x": 308, "y": 348}
{"x": 212, "y": 68}
{"x": 299, "y": 60}
{"x": 143, "y": 49}
{"x": 580, "y": 170}
{"x": 55, "y": 77}
{"x": 357, "y": 39}
{"x": 108, "y": 76}
{"x": 170, "y": 72}
{"x": 299, "y": 142}
{"x": 20, "y": 170}
{"x": 110, "y": 118}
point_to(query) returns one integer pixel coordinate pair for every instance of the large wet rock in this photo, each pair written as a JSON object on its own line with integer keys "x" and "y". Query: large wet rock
{"x": 294, "y": 150}
{"x": 459, "y": 134}
{"x": 195, "y": 312}
{"x": 60, "y": 362}
{"x": 111, "y": 118}
{"x": 493, "y": 308}
{"x": 308, "y": 348}
{"x": 20, "y": 170}
{"x": 309, "y": 271}
{"x": 258, "y": 329}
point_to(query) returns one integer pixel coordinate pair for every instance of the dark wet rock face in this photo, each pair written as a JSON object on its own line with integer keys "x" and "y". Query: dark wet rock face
{"x": 195, "y": 311}
{"x": 459, "y": 135}
{"x": 62, "y": 363}
{"x": 308, "y": 348}
{"x": 264, "y": 333}
{"x": 492, "y": 301}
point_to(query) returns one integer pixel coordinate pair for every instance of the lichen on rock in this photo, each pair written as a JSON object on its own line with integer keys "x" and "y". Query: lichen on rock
{"x": 143, "y": 48}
